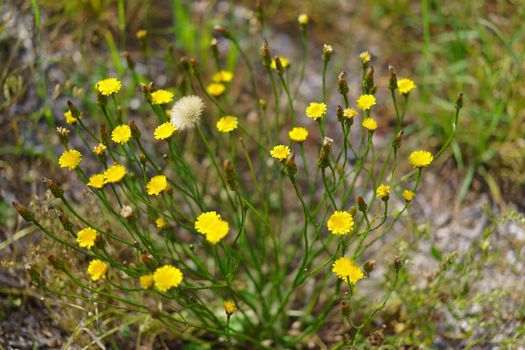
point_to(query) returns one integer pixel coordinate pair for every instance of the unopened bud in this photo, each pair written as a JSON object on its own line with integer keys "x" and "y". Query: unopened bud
{"x": 361, "y": 204}
{"x": 352, "y": 210}
{"x": 147, "y": 89}
{"x": 101, "y": 99}
{"x": 324, "y": 155}
{"x": 100, "y": 242}
{"x": 223, "y": 31}
{"x": 327, "y": 53}
{"x": 369, "y": 266}
{"x": 194, "y": 65}
{"x": 34, "y": 275}
{"x": 278, "y": 65}
{"x": 231, "y": 176}
{"x": 343, "y": 86}
{"x": 63, "y": 136}
{"x": 56, "y": 190}
{"x": 75, "y": 112}
{"x": 147, "y": 260}
{"x": 265, "y": 51}
{"x": 368, "y": 84}
{"x": 262, "y": 103}
{"x": 392, "y": 83}
{"x": 339, "y": 112}
{"x": 25, "y": 213}
{"x": 129, "y": 60}
{"x": 143, "y": 159}
{"x": 346, "y": 309}
{"x": 134, "y": 130}
{"x": 459, "y": 101}
{"x": 104, "y": 135}
{"x": 57, "y": 263}
{"x": 397, "y": 141}
{"x": 290, "y": 168}
{"x": 68, "y": 226}
{"x": 214, "y": 45}
{"x": 397, "y": 263}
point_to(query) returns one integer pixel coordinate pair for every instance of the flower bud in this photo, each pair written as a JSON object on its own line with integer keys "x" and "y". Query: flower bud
{"x": 147, "y": 89}
{"x": 147, "y": 260}
{"x": 100, "y": 242}
{"x": 369, "y": 266}
{"x": 262, "y": 103}
{"x": 346, "y": 308}
{"x": 63, "y": 136}
{"x": 361, "y": 204}
{"x": 75, "y": 112}
{"x": 459, "y": 101}
{"x": 105, "y": 137}
{"x": 339, "y": 112}
{"x": 303, "y": 20}
{"x": 25, "y": 213}
{"x": 368, "y": 84}
{"x": 343, "y": 86}
{"x": 56, "y": 190}
{"x": 135, "y": 132}
{"x": 194, "y": 65}
{"x": 143, "y": 159}
{"x": 129, "y": 60}
{"x": 392, "y": 83}
{"x": 279, "y": 65}
{"x": 397, "y": 263}
{"x": 214, "y": 45}
{"x": 265, "y": 51}
{"x": 101, "y": 99}
{"x": 290, "y": 168}
{"x": 327, "y": 53}
{"x": 223, "y": 31}
{"x": 34, "y": 275}
{"x": 68, "y": 226}
{"x": 324, "y": 155}
{"x": 57, "y": 263}
{"x": 231, "y": 176}
{"x": 352, "y": 211}
{"x": 397, "y": 141}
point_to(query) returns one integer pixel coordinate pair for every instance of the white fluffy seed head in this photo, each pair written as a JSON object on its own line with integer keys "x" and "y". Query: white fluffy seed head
{"x": 186, "y": 112}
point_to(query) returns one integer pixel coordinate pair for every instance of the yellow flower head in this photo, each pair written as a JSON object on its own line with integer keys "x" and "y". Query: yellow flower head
{"x": 383, "y": 192}
{"x": 114, "y": 173}
{"x": 121, "y": 134}
{"x": 405, "y": 86}
{"x": 285, "y": 62}
{"x": 420, "y": 159}
{"x": 369, "y": 123}
{"x": 365, "y": 57}
{"x": 227, "y": 123}
{"x": 408, "y": 195}
{"x": 161, "y": 97}
{"x": 97, "y": 269}
{"x": 212, "y": 226}
{"x": 141, "y": 34}
{"x": 69, "y": 117}
{"x": 161, "y": 223}
{"x": 86, "y": 237}
{"x": 365, "y": 102}
{"x": 349, "y": 113}
{"x": 167, "y": 277}
{"x": 316, "y": 110}
{"x": 345, "y": 269}
{"x": 216, "y": 89}
{"x": 96, "y": 181}
{"x": 303, "y": 19}
{"x": 229, "y": 307}
{"x": 298, "y": 134}
{"x": 280, "y": 152}
{"x": 70, "y": 159}
{"x": 146, "y": 281}
{"x": 99, "y": 149}
{"x": 108, "y": 86}
{"x": 156, "y": 185}
{"x": 340, "y": 223}
{"x": 222, "y": 76}
{"x": 163, "y": 131}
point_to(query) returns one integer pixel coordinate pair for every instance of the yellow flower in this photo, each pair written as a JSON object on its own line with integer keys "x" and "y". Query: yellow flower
{"x": 212, "y": 226}
{"x": 157, "y": 184}
{"x": 340, "y": 223}
{"x": 216, "y": 89}
{"x": 161, "y": 97}
{"x": 383, "y": 192}
{"x": 96, "y": 181}
{"x": 345, "y": 269}
{"x": 70, "y": 159}
{"x": 167, "y": 277}
{"x": 298, "y": 134}
{"x": 163, "y": 131}
{"x": 420, "y": 159}
{"x": 108, "y": 86}
{"x": 229, "y": 307}
{"x": 303, "y": 19}
{"x": 405, "y": 86}
{"x": 121, "y": 134}
{"x": 365, "y": 102}
{"x": 86, "y": 237}
{"x": 369, "y": 123}
{"x": 222, "y": 76}
{"x": 114, "y": 173}
{"x": 141, "y": 34}
{"x": 285, "y": 62}
{"x": 161, "y": 223}
{"x": 408, "y": 195}
{"x": 349, "y": 113}
{"x": 69, "y": 117}
{"x": 146, "y": 281}
{"x": 280, "y": 152}
{"x": 227, "y": 123}
{"x": 97, "y": 269}
{"x": 365, "y": 57}
{"x": 316, "y": 110}
{"x": 99, "y": 149}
